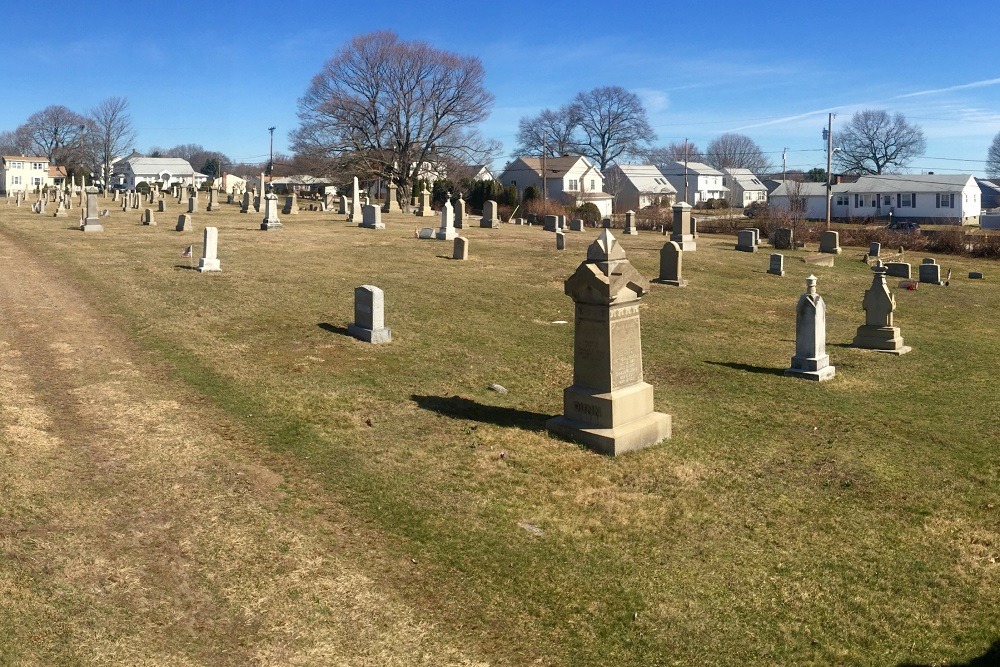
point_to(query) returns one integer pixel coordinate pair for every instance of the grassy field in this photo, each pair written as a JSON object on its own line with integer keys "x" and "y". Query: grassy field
{"x": 853, "y": 522}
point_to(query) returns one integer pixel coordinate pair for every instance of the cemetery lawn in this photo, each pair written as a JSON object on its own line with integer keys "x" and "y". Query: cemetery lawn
{"x": 204, "y": 469}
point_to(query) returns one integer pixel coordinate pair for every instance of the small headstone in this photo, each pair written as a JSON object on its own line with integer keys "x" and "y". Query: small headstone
{"x": 810, "y": 361}
{"x": 929, "y": 271}
{"x": 551, "y": 223}
{"x": 777, "y": 265}
{"x": 819, "y": 259}
{"x": 292, "y": 205}
{"x": 147, "y": 217}
{"x": 213, "y": 199}
{"x": 684, "y": 230}
{"x": 878, "y": 332}
{"x": 369, "y": 315}
{"x": 874, "y": 249}
{"x": 782, "y": 239}
{"x": 92, "y": 221}
{"x": 975, "y": 275}
{"x": 161, "y": 206}
{"x": 829, "y": 242}
{"x": 342, "y": 209}
{"x": 576, "y": 225}
{"x": 491, "y": 216}
{"x": 461, "y": 248}
{"x": 671, "y": 258}
{"x": 270, "y": 220}
{"x": 745, "y": 241}
{"x": 426, "y": 233}
{"x": 184, "y": 222}
{"x": 192, "y": 204}
{"x": 560, "y": 240}
{"x": 371, "y": 217}
{"x": 898, "y": 270}
{"x": 609, "y": 407}
{"x": 756, "y": 235}
{"x": 606, "y": 223}
{"x": 630, "y": 227}
{"x": 460, "y": 215}
{"x": 210, "y": 251}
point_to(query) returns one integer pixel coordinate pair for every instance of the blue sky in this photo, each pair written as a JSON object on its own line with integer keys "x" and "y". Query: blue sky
{"x": 220, "y": 74}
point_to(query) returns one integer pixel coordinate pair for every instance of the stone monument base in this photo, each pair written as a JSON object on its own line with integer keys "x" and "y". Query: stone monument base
{"x": 374, "y": 225}
{"x": 685, "y": 241}
{"x": 92, "y": 227}
{"x": 491, "y": 224}
{"x": 664, "y": 281}
{"x": 383, "y": 335}
{"x": 880, "y": 339}
{"x": 611, "y": 423}
{"x": 445, "y": 235}
{"x": 746, "y": 248}
{"x": 267, "y": 226}
{"x": 818, "y": 370}
{"x": 209, "y": 265}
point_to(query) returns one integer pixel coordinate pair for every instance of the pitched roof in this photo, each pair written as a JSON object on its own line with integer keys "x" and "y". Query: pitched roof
{"x": 805, "y": 189}
{"x": 25, "y": 158}
{"x": 879, "y": 183}
{"x": 154, "y": 165}
{"x": 699, "y": 168}
{"x": 646, "y": 178}
{"x": 746, "y": 178}
{"x": 554, "y": 166}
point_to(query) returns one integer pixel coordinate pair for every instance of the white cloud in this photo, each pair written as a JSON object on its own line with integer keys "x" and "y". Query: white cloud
{"x": 655, "y": 101}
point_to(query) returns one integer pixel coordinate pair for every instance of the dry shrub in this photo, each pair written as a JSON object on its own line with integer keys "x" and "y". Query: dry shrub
{"x": 542, "y": 208}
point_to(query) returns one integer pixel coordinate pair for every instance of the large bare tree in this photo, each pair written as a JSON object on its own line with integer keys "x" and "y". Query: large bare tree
{"x": 875, "y": 142}
{"x": 612, "y": 124}
{"x": 56, "y": 133}
{"x": 550, "y": 132}
{"x": 110, "y": 134}
{"x": 391, "y": 105}
{"x": 993, "y": 158}
{"x": 737, "y": 151}
{"x": 677, "y": 151}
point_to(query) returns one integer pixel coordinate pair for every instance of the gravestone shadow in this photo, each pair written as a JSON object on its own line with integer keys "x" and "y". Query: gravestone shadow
{"x": 458, "y": 407}
{"x": 333, "y": 328}
{"x": 189, "y": 267}
{"x": 991, "y": 658}
{"x": 749, "y": 368}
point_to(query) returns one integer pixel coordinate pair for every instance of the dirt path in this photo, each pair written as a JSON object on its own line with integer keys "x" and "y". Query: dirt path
{"x": 138, "y": 527}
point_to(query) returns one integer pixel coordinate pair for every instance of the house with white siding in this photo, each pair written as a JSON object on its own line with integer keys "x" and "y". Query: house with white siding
{"x": 744, "y": 187}
{"x": 23, "y": 173}
{"x": 636, "y": 186}
{"x": 572, "y": 180}
{"x": 166, "y": 170}
{"x": 698, "y": 180}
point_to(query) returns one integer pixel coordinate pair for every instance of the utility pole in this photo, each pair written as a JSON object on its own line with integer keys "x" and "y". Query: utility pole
{"x": 270, "y": 162}
{"x": 686, "y": 171}
{"x": 784, "y": 171}
{"x": 544, "y": 193}
{"x": 828, "y": 132}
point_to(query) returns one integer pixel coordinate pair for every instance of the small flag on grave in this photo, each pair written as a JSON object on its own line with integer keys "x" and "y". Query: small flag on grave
{"x": 187, "y": 251}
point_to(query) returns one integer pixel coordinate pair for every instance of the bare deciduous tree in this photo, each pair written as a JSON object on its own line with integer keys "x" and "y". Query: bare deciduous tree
{"x": 550, "y": 132}
{"x": 110, "y": 134}
{"x": 393, "y": 105}
{"x": 676, "y": 151}
{"x": 874, "y": 142}
{"x": 13, "y": 143}
{"x": 56, "y": 133}
{"x": 612, "y": 124}
{"x": 737, "y": 151}
{"x": 993, "y": 158}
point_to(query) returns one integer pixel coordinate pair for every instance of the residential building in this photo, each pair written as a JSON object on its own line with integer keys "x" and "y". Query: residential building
{"x": 473, "y": 172}
{"x": 636, "y": 186}
{"x": 989, "y": 193}
{"x": 169, "y": 171}
{"x": 697, "y": 179}
{"x": 744, "y": 187}
{"x": 572, "y": 180}
{"x": 940, "y": 198}
{"x": 23, "y": 173}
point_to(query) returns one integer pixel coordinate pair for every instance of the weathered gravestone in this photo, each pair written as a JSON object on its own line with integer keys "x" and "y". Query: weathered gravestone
{"x": 184, "y": 222}
{"x": 551, "y": 223}
{"x": 671, "y": 258}
{"x": 425, "y": 210}
{"x": 92, "y": 223}
{"x": 878, "y": 332}
{"x": 161, "y": 206}
{"x": 745, "y": 241}
{"x": 976, "y": 275}
{"x": 776, "y": 267}
{"x": 60, "y": 210}
{"x": 213, "y": 200}
{"x": 491, "y": 215}
{"x": 929, "y": 271}
{"x": 291, "y": 205}
{"x": 898, "y": 270}
{"x": 192, "y": 205}
{"x": 447, "y": 230}
{"x": 630, "y": 227}
{"x": 810, "y": 361}
{"x": 147, "y": 217}
{"x": 355, "y": 212}
{"x": 609, "y": 408}
{"x": 426, "y": 233}
{"x": 560, "y": 240}
{"x": 461, "y": 248}
{"x": 576, "y": 225}
{"x": 829, "y": 242}
{"x": 782, "y": 238}
{"x": 460, "y": 215}
{"x": 391, "y": 201}
{"x": 369, "y": 315}
{"x": 371, "y": 217}
{"x": 270, "y": 220}
{"x": 342, "y": 208}
{"x": 874, "y": 249}
{"x": 210, "y": 251}
{"x": 683, "y": 234}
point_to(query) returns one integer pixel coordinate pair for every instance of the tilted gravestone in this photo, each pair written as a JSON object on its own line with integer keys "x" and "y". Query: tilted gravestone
{"x": 874, "y": 249}
{"x": 878, "y": 332}
{"x": 369, "y": 315}
{"x": 810, "y": 361}
{"x": 609, "y": 408}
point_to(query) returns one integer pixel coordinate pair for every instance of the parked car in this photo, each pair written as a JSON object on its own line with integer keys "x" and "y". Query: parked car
{"x": 903, "y": 226}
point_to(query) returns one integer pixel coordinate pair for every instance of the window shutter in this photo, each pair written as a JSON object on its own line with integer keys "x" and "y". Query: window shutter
{"x": 899, "y": 200}
{"x": 856, "y": 205}
{"x": 952, "y": 200}
{"x": 913, "y": 201}
{"x": 937, "y": 200}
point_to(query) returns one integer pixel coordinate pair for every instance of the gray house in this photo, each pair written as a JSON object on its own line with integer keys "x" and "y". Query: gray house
{"x": 636, "y": 186}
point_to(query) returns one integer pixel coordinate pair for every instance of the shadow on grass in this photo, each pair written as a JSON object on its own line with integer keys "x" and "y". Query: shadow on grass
{"x": 457, "y": 407}
{"x": 991, "y": 658}
{"x": 333, "y": 328}
{"x": 766, "y": 370}
{"x": 189, "y": 267}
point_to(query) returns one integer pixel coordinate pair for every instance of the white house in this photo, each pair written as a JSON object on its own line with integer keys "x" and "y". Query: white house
{"x": 940, "y": 198}
{"x": 573, "y": 180}
{"x": 473, "y": 172}
{"x": 702, "y": 181}
{"x": 23, "y": 173}
{"x": 744, "y": 187}
{"x": 167, "y": 170}
{"x": 637, "y": 186}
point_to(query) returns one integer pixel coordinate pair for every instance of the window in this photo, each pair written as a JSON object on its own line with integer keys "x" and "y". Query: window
{"x": 38, "y": 165}
{"x": 874, "y": 201}
{"x": 905, "y": 200}
{"x": 15, "y": 180}
{"x": 946, "y": 200}
{"x": 886, "y": 200}
{"x": 593, "y": 184}
{"x": 17, "y": 165}
{"x": 843, "y": 200}
{"x": 36, "y": 181}
{"x": 572, "y": 184}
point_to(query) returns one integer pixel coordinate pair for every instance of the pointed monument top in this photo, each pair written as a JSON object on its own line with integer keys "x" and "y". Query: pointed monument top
{"x": 811, "y": 284}
{"x": 606, "y": 248}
